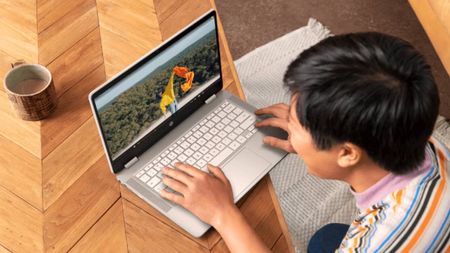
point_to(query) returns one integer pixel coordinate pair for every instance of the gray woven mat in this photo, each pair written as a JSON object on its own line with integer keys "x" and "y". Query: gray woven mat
{"x": 306, "y": 201}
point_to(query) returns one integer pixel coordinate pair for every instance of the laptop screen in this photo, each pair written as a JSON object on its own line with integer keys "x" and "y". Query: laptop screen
{"x": 169, "y": 79}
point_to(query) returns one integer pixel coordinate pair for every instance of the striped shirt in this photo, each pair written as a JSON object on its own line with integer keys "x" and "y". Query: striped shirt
{"x": 413, "y": 218}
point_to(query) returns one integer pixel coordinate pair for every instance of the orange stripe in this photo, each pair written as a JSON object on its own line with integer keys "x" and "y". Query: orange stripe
{"x": 433, "y": 205}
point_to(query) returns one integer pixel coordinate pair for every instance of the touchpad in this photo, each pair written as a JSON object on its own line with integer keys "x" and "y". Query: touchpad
{"x": 243, "y": 169}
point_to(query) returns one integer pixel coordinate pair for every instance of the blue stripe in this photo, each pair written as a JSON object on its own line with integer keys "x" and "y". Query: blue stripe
{"x": 439, "y": 233}
{"x": 409, "y": 210}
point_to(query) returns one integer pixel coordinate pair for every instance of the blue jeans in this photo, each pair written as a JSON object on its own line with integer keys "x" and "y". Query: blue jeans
{"x": 328, "y": 238}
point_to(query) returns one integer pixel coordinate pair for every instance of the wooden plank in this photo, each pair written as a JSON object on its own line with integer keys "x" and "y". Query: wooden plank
{"x": 134, "y": 21}
{"x": 107, "y": 235}
{"x": 279, "y": 212}
{"x": 5, "y": 66}
{"x": 79, "y": 207}
{"x": 4, "y": 250}
{"x": 64, "y": 33}
{"x": 27, "y": 18}
{"x": 128, "y": 31}
{"x": 118, "y": 53}
{"x": 281, "y": 246}
{"x": 145, "y": 232}
{"x": 72, "y": 111}
{"x": 70, "y": 160}
{"x": 220, "y": 247}
{"x": 20, "y": 224}
{"x": 165, "y": 8}
{"x": 435, "y": 29}
{"x": 134, "y": 199}
{"x": 177, "y": 17}
{"x": 225, "y": 54}
{"x": 69, "y": 68}
{"x": 20, "y": 172}
{"x": 24, "y": 133}
{"x": 18, "y": 32}
{"x": 50, "y": 11}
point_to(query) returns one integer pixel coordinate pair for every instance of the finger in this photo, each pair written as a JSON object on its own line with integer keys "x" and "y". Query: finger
{"x": 188, "y": 169}
{"x": 273, "y": 122}
{"x": 279, "y": 143}
{"x": 175, "y": 198}
{"x": 178, "y": 175}
{"x": 174, "y": 184}
{"x": 278, "y": 110}
{"x": 216, "y": 171}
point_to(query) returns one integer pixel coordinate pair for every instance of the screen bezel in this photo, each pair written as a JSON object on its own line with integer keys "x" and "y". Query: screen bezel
{"x": 174, "y": 120}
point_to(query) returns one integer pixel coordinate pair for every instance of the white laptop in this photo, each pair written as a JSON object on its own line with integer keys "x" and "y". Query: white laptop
{"x": 169, "y": 106}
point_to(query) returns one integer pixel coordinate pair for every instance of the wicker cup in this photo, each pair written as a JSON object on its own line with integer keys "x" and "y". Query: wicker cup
{"x": 31, "y": 91}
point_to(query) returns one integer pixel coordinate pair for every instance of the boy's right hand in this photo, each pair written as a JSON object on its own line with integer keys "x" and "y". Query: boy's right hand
{"x": 280, "y": 120}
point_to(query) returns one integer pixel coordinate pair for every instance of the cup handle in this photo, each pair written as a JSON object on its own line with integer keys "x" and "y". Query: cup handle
{"x": 17, "y": 63}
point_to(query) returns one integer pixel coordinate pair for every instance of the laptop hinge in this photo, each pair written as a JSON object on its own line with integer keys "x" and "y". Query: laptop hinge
{"x": 131, "y": 162}
{"x": 210, "y": 99}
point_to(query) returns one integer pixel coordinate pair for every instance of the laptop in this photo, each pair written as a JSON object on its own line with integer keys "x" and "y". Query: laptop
{"x": 169, "y": 106}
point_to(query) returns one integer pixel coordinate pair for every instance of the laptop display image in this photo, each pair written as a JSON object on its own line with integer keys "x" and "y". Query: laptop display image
{"x": 157, "y": 89}
{"x": 169, "y": 107}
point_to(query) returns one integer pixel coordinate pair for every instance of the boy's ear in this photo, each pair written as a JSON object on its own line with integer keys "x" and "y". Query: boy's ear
{"x": 349, "y": 155}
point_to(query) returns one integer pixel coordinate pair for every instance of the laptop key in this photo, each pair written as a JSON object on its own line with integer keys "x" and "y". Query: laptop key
{"x": 201, "y": 141}
{"x": 242, "y": 117}
{"x": 213, "y": 131}
{"x": 232, "y": 136}
{"x": 237, "y": 110}
{"x": 195, "y": 146}
{"x": 204, "y": 150}
{"x": 159, "y": 187}
{"x": 234, "y": 124}
{"x": 214, "y": 152}
{"x": 188, "y": 152}
{"x": 222, "y": 134}
{"x": 152, "y": 172}
{"x": 201, "y": 164}
{"x": 207, "y": 157}
{"x": 229, "y": 108}
{"x": 207, "y": 136}
{"x": 165, "y": 161}
{"x": 250, "y": 121}
{"x": 197, "y": 155}
{"x": 191, "y": 161}
{"x": 231, "y": 116}
{"x": 241, "y": 139}
{"x": 234, "y": 145}
{"x": 221, "y": 157}
{"x": 226, "y": 141}
{"x": 140, "y": 173}
{"x": 220, "y": 146}
{"x": 153, "y": 182}
{"x": 238, "y": 130}
{"x": 144, "y": 178}
{"x": 158, "y": 167}
{"x": 210, "y": 144}
{"x": 182, "y": 158}
{"x": 171, "y": 155}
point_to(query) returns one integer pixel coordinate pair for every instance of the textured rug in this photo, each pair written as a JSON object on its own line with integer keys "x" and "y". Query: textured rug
{"x": 307, "y": 202}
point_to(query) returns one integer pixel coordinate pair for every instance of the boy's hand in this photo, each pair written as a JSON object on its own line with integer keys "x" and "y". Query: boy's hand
{"x": 206, "y": 195}
{"x": 280, "y": 120}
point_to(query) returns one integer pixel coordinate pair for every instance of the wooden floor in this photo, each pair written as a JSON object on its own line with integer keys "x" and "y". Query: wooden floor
{"x": 56, "y": 191}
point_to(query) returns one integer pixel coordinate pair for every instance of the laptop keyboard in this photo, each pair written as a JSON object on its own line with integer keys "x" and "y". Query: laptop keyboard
{"x": 212, "y": 140}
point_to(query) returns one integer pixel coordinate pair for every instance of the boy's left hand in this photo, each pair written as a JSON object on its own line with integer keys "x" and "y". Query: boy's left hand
{"x": 206, "y": 195}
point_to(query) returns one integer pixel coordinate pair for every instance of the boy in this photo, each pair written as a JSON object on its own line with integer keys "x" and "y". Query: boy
{"x": 362, "y": 111}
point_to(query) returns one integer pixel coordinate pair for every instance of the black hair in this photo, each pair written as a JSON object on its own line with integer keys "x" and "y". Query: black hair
{"x": 371, "y": 89}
